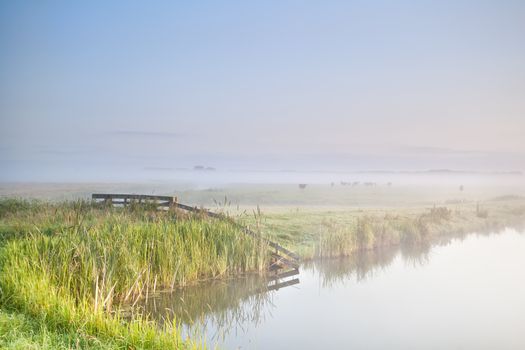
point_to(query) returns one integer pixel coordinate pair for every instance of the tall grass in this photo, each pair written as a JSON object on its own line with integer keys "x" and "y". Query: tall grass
{"x": 75, "y": 265}
{"x": 351, "y": 235}
{"x": 371, "y": 232}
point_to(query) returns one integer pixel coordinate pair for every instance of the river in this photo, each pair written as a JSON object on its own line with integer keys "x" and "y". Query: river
{"x": 461, "y": 293}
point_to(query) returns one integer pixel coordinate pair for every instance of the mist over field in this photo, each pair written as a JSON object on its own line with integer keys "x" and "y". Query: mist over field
{"x": 90, "y": 93}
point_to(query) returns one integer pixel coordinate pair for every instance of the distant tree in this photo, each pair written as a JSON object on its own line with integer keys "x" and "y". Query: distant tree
{"x": 461, "y": 188}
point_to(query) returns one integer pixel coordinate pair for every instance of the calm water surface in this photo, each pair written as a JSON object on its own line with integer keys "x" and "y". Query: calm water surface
{"x": 460, "y": 294}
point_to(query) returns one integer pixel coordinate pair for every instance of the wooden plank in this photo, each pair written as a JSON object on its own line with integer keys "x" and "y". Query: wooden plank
{"x": 131, "y": 196}
{"x": 274, "y": 245}
{"x": 283, "y": 275}
{"x": 283, "y": 284}
{"x": 282, "y": 260}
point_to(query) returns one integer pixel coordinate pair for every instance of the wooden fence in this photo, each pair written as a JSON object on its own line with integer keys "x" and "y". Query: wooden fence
{"x": 281, "y": 255}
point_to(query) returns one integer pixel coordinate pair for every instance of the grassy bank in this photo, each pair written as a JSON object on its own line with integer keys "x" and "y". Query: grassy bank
{"x": 68, "y": 268}
{"x": 316, "y": 232}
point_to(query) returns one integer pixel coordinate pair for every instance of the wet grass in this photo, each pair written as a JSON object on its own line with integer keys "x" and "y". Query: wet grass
{"x": 70, "y": 267}
{"x": 21, "y": 332}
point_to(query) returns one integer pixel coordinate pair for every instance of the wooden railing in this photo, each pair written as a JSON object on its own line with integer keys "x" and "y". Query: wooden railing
{"x": 165, "y": 202}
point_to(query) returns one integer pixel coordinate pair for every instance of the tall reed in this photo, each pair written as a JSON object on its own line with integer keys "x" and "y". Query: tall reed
{"x": 75, "y": 265}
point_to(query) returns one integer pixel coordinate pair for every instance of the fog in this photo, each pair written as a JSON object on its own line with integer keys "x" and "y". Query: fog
{"x": 116, "y": 92}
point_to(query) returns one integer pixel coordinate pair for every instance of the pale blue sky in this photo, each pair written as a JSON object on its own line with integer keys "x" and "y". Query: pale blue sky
{"x": 89, "y": 87}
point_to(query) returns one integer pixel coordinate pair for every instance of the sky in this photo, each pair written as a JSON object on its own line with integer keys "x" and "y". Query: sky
{"x": 93, "y": 88}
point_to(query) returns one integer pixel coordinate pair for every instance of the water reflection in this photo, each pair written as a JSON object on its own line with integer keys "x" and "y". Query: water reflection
{"x": 229, "y": 309}
{"x": 363, "y": 265}
{"x": 231, "y": 305}
{"x": 223, "y": 306}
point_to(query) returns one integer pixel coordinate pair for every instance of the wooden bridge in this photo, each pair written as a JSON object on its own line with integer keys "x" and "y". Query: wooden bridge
{"x": 282, "y": 258}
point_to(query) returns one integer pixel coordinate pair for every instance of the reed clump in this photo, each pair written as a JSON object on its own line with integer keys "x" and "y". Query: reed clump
{"x": 372, "y": 232}
{"x": 366, "y": 232}
{"x": 75, "y": 265}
